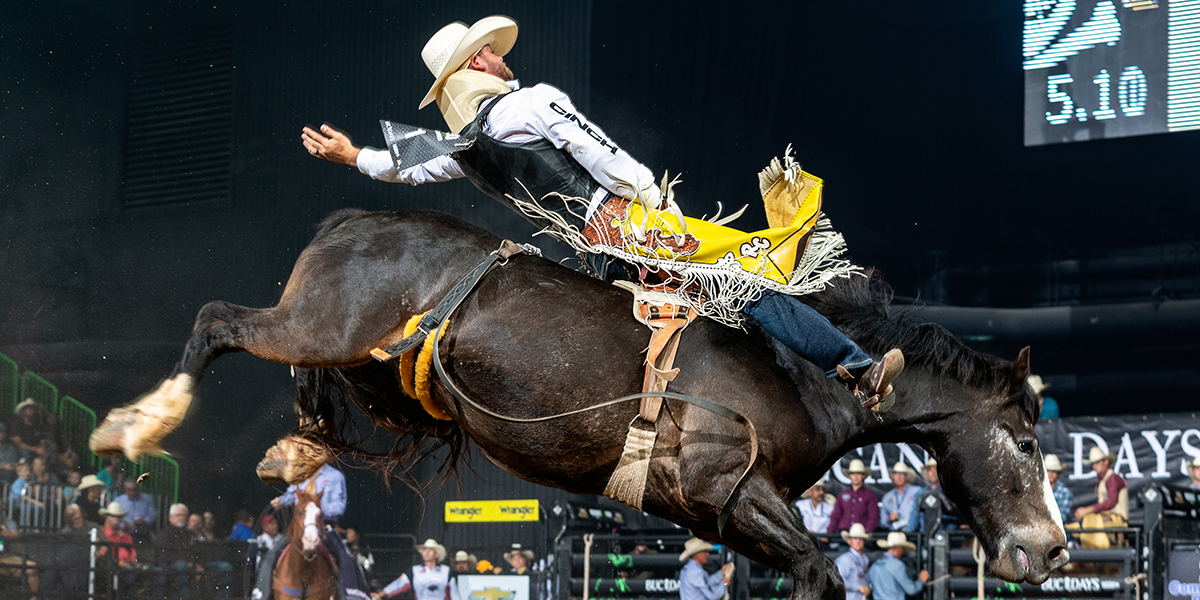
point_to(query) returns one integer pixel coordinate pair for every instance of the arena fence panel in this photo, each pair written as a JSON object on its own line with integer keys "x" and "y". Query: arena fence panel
{"x": 9, "y": 384}
{"x": 77, "y": 422}
{"x": 42, "y": 391}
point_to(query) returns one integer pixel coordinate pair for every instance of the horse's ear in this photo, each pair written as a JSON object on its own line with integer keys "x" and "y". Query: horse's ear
{"x": 1020, "y": 371}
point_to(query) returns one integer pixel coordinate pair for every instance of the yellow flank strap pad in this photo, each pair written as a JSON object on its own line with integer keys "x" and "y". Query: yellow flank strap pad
{"x": 422, "y": 374}
{"x": 416, "y": 367}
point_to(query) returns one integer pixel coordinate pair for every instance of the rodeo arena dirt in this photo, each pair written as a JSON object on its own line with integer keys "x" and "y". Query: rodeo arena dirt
{"x": 639, "y": 352}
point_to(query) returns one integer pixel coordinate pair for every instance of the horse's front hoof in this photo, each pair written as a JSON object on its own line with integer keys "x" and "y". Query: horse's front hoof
{"x": 292, "y": 460}
{"x": 139, "y": 428}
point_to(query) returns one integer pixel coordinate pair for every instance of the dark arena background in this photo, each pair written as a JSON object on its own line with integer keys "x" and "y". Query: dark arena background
{"x": 150, "y": 162}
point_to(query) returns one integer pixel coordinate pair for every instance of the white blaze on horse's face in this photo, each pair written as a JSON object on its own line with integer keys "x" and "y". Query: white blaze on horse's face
{"x": 311, "y": 536}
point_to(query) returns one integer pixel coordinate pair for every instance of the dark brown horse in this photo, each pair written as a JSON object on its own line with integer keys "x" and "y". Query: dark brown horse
{"x": 536, "y": 339}
{"x": 305, "y": 569}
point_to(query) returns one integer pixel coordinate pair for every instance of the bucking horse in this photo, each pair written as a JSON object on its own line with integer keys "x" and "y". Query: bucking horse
{"x": 536, "y": 339}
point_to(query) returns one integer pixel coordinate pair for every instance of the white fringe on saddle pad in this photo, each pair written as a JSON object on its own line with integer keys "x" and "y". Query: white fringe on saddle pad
{"x": 718, "y": 291}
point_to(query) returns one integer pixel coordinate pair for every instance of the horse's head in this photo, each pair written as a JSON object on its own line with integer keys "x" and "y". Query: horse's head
{"x": 991, "y": 466}
{"x": 307, "y": 521}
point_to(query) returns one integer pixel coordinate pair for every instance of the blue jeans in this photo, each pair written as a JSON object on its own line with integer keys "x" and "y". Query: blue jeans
{"x": 807, "y": 332}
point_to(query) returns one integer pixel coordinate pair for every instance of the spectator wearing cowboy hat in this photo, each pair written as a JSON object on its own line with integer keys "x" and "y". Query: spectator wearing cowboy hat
{"x": 431, "y": 580}
{"x": 518, "y": 559}
{"x": 464, "y": 564}
{"x": 90, "y": 489}
{"x": 29, "y": 432}
{"x": 1194, "y": 471}
{"x": 1112, "y": 502}
{"x": 889, "y": 575}
{"x": 1047, "y": 405}
{"x": 816, "y": 509}
{"x": 694, "y": 582}
{"x": 122, "y": 550}
{"x": 897, "y": 511}
{"x": 1062, "y": 494}
{"x": 852, "y": 564}
{"x": 857, "y": 504}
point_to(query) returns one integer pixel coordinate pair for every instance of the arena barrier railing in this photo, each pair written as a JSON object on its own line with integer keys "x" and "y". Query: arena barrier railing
{"x": 41, "y": 507}
{"x": 78, "y": 422}
{"x": 393, "y": 554}
{"x": 1172, "y": 526}
{"x": 72, "y": 566}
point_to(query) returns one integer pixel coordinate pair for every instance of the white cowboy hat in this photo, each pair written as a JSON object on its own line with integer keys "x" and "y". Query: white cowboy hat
{"x": 932, "y": 462}
{"x": 856, "y": 531}
{"x": 1097, "y": 455}
{"x": 462, "y": 556}
{"x": 516, "y": 549}
{"x": 455, "y": 43}
{"x": 1195, "y": 462}
{"x": 24, "y": 404}
{"x": 900, "y": 467}
{"x": 1052, "y": 463}
{"x": 693, "y": 546}
{"x": 430, "y": 543}
{"x": 896, "y": 539}
{"x": 857, "y": 466}
{"x": 114, "y": 509}
{"x": 1035, "y": 382}
{"x": 89, "y": 481}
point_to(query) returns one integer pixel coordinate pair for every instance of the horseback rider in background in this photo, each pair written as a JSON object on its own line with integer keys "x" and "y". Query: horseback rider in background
{"x": 539, "y": 126}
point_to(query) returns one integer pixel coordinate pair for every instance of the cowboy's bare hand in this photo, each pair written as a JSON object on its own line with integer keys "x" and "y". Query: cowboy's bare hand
{"x": 330, "y": 144}
{"x": 864, "y": 590}
{"x": 893, "y": 516}
{"x": 275, "y": 503}
{"x": 923, "y": 575}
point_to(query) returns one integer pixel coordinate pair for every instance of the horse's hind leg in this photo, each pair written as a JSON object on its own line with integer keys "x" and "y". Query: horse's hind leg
{"x": 764, "y": 528}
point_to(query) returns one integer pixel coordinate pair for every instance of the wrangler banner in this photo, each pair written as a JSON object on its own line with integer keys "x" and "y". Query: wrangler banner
{"x": 1150, "y": 448}
{"x": 489, "y": 511}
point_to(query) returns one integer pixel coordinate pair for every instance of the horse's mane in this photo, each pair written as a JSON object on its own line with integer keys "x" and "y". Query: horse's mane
{"x": 861, "y": 308}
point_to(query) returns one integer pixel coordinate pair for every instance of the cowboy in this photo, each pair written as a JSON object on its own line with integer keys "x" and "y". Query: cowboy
{"x": 1195, "y": 473}
{"x": 123, "y": 551}
{"x": 857, "y": 504}
{"x": 852, "y": 564}
{"x": 1062, "y": 493}
{"x": 464, "y": 564}
{"x": 816, "y": 509}
{"x": 518, "y": 559}
{"x": 1047, "y": 406}
{"x": 538, "y": 133}
{"x": 951, "y": 518}
{"x": 896, "y": 512}
{"x": 431, "y": 580}
{"x": 889, "y": 575}
{"x": 694, "y": 582}
{"x": 1112, "y": 503}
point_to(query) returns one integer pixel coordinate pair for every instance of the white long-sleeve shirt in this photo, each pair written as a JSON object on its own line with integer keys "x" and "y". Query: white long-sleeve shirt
{"x": 539, "y": 112}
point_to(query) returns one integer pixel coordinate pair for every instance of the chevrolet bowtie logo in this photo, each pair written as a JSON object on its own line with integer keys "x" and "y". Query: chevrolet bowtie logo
{"x": 492, "y": 594}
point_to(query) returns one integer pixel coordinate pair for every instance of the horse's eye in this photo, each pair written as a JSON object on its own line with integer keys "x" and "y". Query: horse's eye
{"x": 1025, "y": 446}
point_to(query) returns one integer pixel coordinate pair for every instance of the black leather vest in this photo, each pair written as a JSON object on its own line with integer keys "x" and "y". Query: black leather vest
{"x": 523, "y": 170}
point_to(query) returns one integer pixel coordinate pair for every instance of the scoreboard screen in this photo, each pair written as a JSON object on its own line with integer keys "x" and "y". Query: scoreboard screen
{"x": 1099, "y": 69}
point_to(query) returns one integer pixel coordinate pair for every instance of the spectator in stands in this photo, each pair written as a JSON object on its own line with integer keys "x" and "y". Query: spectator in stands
{"x": 243, "y": 526}
{"x": 210, "y": 525}
{"x": 195, "y": 524}
{"x": 111, "y": 474}
{"x": 897, "y": 512}
{"x": 270, "y": 534}
{"x": 1047, "y": 405}
{"x": 176, "y": 554}
{"x": 518, "y": 560}
{"x": 21, "y": 482}
{"x": 857, "y": 504}
{"x": 889, "y": 575}
{"x": 74, "y": 520}
{"x": 41, "y": 473}
{"x": 90, "y": 489}
{"x": 431, "y": 580}
{"x": 816, "y": 510}
{"x": 9, "y": 456}
{"x": 1195, "y": 472}
{"x": 853, "y": 563}
{"x": 70, "y": 488}
{"x": 951, "y": 517}
{"x": 123, "y": 551}
{"x": 1062, "y": 494}
{"x": 1112, "y": 502}
{"x": 11, "y": 564}
{"x": 29, "y": 433}
{"x": 464, "y": 564}
{"x": 358, "y": 550}
{"x": 694, "y": 582}
{"x": 140, "y": 514}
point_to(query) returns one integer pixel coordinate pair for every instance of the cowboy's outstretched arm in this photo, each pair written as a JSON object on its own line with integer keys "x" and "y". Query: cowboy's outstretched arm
{"x": 333, "y": 145}
{"x": 563, "y": 125}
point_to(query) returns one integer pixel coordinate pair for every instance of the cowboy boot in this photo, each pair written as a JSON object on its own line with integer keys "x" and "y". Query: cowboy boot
{"x": 873, "y": 385}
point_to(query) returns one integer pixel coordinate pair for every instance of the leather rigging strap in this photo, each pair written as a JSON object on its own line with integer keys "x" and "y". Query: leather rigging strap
{"x": 432, "y": 321}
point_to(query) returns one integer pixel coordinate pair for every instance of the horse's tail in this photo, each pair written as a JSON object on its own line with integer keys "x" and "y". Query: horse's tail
{"x": 325, "y": 396}
{"x": 336, "y": 218}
